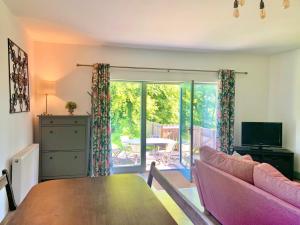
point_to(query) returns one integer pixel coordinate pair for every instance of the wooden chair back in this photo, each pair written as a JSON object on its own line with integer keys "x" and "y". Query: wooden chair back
{"x": 194, "y": 214}
{"x": 5, "y": 182}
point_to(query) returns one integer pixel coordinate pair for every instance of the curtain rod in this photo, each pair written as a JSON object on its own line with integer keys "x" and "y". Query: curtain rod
{"x": 161, "y": 69}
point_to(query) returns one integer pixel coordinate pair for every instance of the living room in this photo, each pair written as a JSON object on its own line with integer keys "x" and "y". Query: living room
{"x": 162, "y": 42}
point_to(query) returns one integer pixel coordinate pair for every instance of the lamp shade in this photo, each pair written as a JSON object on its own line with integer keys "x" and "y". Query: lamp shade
{"x": 48, "y": 87}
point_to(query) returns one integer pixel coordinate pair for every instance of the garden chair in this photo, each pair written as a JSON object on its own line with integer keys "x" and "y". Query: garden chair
{"x": 170, "y": 155}
{"x": 115, "y": 153}
{"x": 125, "y": 148}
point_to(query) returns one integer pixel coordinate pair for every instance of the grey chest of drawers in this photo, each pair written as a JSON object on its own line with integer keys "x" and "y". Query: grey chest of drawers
{"x": 64, "y": 142}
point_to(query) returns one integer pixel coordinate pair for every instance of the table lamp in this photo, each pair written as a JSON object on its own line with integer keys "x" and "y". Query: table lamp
{"x": 48, "y": 88}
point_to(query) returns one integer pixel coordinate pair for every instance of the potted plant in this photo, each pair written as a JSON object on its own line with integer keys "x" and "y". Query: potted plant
{"x": 71, "y": 106}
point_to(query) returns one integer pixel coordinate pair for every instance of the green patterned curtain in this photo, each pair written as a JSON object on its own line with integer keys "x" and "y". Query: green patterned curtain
{"x": 225, "y": 115}
{"x": 101, "y": 145}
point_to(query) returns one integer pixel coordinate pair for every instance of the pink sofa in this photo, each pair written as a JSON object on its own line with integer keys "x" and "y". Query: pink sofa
{"x": 234, "y": 201}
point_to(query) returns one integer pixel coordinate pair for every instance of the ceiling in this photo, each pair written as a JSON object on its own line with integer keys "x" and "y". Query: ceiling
{"x": 193, "y": 25}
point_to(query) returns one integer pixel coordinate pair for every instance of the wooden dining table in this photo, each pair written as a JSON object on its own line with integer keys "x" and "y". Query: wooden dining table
{"x": 114, "y": 200}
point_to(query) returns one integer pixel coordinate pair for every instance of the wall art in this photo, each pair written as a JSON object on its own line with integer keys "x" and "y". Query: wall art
{"x": 19, "y": 100}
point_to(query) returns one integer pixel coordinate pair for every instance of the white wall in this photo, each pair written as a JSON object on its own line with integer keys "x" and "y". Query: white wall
{"x": 15, "y": 129}
{"x": 58, "y": 62}
{"x": 284, "y": 105}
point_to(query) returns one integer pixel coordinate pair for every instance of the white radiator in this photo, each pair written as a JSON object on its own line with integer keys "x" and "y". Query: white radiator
{"x": 25, "y": 171}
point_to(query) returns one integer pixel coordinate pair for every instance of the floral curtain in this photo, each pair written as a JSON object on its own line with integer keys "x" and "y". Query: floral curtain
{"x": 225, "y": 114}
{"x": 101, "y": 144}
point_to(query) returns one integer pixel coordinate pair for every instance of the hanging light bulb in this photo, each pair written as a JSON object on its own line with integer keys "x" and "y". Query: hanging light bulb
{"x": 242, "y": 2}
{"x": 236, "y": 12}
{"x": 286, "y": 4}
{"x": 262, "y": 9}
{"x": 263, "y": 13}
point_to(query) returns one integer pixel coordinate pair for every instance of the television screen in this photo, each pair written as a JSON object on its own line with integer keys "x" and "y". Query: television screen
{"x": 262, "y": 134}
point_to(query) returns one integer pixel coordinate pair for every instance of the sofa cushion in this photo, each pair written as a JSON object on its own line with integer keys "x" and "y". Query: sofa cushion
{"x": 238, "y": 167}
{"x": 269, "y": 179}
{"x": 208, "y": 153}
{"x": 247, "y": 157}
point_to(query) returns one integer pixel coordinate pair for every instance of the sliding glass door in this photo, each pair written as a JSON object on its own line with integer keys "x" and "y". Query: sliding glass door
{"x": 162, "y": 122}
{"x": 126, "y": 126}
{"x": 162, "y": 125}
{"x": 198, "y": 121}
{"x": 186, "y": 131}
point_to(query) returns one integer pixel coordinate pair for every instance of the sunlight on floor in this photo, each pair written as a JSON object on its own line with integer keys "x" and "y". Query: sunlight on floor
{"x": 187, "y": 188}
{"x": 173, "y": 208}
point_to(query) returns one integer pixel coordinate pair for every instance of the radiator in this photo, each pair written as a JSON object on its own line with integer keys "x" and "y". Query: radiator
{"x": 25, "y": 171}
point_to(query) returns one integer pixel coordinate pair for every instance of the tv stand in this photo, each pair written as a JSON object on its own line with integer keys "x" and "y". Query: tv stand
{"x": 281, "y": 159}
{"x": 260, "y": 147}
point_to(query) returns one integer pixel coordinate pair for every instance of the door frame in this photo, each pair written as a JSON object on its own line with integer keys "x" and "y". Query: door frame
{"x": 187, "y": 172}
{"x": 142, "y": 167}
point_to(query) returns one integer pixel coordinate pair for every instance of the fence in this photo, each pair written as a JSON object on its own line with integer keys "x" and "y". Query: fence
{"x": 202, "y": 136}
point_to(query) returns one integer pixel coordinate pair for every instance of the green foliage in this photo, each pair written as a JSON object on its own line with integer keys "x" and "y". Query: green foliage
{"x": 204, "y": 113}
{"x": 163, "y": 105}
{"x": 71, "y": 105}
{"x": 125, "y": 109}
{"x": 205, "y": 102}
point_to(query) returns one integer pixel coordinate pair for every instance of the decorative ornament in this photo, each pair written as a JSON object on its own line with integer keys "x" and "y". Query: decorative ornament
{"x": 18, "y": 79}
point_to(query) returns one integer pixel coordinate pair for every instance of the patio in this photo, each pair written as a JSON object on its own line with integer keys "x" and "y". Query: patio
{"x": 161, "y": 150}
{"x": 162, "y": 147}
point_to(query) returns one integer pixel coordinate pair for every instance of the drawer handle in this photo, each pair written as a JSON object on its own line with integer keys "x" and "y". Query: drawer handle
{"x": 51, "y": 131}
{"x": 75, "y": 131}
{"x": 50, "y": 157}
{"x": 75, "y": 121}
{"x": 75, "y": 157}
{"x": 51, "y": 121}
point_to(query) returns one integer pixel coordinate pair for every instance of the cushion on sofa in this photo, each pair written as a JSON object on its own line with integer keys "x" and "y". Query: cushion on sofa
{"x": 269, "y": 179}
{"x": 247, "y": 157}
{"x": 207, "y": 153}
{"x": 238, "y": 167}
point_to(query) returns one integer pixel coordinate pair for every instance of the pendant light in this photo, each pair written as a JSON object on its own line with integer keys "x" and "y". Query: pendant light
{"x": 241, "y": 2}
{"x": 236, "y": 12}
{"x": 262, "y": 9}
{"x": 286, "y": 4}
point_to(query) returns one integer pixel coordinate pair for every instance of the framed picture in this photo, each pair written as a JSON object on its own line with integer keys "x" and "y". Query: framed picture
{"x": 19, "y": 99}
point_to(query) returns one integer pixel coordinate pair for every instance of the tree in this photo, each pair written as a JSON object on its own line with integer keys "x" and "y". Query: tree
{"x": 162, "y": 103}
{"x": 125, "y": 110}
{"x": 162, "y": 106}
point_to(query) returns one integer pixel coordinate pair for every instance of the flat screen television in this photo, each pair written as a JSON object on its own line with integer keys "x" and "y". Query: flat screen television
{"x": 262, "y": 134}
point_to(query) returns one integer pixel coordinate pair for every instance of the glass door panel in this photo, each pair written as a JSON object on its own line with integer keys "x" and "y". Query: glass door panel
{"x": 186, "y": 123}
{"x": 126, "y": 125}
{"x": 162, "y": 125}
{"x": 204, "y": 118}
{"x": 153, "y": 121}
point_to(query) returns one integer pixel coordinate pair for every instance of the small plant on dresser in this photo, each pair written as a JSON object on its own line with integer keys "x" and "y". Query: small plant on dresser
{"x": 71, "y": 106}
